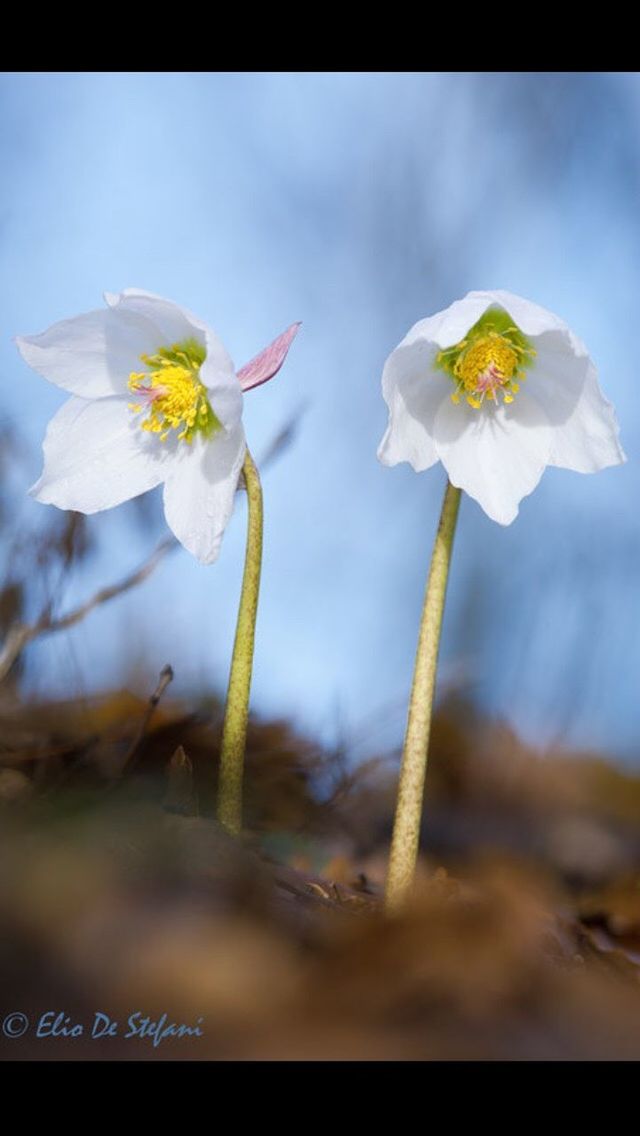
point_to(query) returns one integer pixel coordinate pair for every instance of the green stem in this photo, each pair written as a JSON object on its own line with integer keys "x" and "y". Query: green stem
{"x": 236, "y": 717}
{"x": 406, "y": 827}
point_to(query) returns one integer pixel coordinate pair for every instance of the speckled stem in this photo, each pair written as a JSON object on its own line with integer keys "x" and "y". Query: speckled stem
{"x": 406, "y": 828}
{"x": 236, "y": 717}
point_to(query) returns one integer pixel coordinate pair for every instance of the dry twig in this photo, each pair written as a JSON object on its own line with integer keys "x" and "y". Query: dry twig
{"x": 22, "y": 633}
{"x": 180, "y": 796}
{"x": 166, "y": 676}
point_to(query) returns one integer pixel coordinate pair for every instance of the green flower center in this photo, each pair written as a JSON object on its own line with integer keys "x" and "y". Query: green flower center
{"x": 490, "y": 362}
{"x": 173, "y": 394}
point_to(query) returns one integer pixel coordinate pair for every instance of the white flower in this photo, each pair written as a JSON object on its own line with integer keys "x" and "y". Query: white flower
{"x": 453, "y": 388}
{"x": 155, "y": 400}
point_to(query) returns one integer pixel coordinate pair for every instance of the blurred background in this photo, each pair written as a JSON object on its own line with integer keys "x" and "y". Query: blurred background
{"x": 357, "y": 203}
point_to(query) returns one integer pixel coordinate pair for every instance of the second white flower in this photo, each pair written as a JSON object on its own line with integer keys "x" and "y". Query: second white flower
{"x": 454, "y": 388}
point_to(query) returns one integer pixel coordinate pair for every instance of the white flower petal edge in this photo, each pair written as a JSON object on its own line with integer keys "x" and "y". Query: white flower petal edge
{"x": 413, "y": 405}
{"x": 94, "y": 459}
{"x": 588, "y": 440}
{"x": 452, "y": 324}
{"x": 90, "y": 355}
{"x": 201, "y": 485}
{"x": 498, "y": 453}
{"x": 174, "y": 324}
{"x": 496, "y": 456}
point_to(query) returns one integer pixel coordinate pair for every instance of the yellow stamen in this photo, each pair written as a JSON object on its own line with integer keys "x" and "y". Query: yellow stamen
{"x": 488, "y": 365}
{"x": 173, "y": 393}
{"x": 491, "y": 354}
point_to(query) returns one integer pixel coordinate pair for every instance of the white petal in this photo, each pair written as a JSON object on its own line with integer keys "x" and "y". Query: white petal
{"x": 174, "y": 324}
{"x": 218, "y": 375}
{"x": 96, "y": 456}
{"x": 557, "y": 375}
{"x": 456, "y": 320}
{"x": 91, "y": 355}
{"x": 413, "y": 391}
{"x": 497, "y": 455}
{"x": 588, "y": 438}
{"x": 565, "y": 383}
{"x": 452, "y": 324}
{"x": 200, "y": 490}
{"x": 530, "y": 318}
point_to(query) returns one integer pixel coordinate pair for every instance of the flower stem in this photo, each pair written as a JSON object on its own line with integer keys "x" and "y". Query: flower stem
{"x": 406, "y": 827}
{"x": 236, "y": 717}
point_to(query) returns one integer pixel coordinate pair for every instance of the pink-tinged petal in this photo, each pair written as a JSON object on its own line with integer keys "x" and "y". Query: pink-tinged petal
{"x": 267, "y": 364}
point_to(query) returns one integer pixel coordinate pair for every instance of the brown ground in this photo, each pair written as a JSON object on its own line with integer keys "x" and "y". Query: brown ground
{"x": 118, "y": 894}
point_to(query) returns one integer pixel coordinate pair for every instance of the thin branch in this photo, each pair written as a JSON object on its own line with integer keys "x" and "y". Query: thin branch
{"x": 166, "y": 676}
{"x": 21, "y": 634}
{"x": 280, "y": 443}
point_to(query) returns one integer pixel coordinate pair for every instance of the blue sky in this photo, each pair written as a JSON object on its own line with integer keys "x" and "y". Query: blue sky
{"x": 357, "y": 203}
